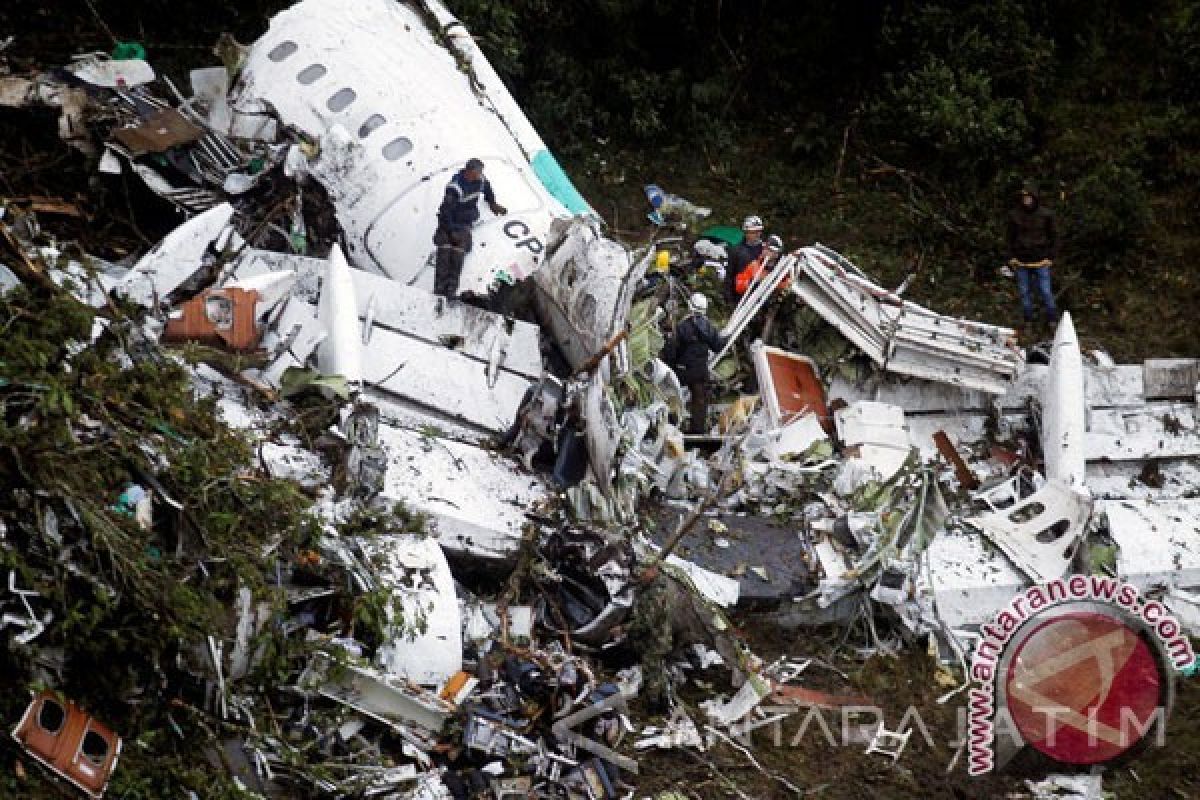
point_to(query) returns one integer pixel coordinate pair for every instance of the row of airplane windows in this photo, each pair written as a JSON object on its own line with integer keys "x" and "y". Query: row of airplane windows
{"x": 341, "y": 100}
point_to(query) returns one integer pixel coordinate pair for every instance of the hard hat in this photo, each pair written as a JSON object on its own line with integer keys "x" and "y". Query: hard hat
{"x": 775, "y": 243}
{"x": 698, "y": 302}
{"x": 662, "y": 261}
{"x": 752, "y": 223}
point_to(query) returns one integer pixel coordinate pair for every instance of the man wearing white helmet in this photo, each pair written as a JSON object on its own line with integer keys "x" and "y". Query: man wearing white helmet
{"x": 695, "y": 338}
{"x": 740, "y": 257}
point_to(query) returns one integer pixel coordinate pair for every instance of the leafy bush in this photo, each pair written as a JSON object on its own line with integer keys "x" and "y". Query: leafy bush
{"x": 950, "y": 117}
{"x": 1108, "y": 213}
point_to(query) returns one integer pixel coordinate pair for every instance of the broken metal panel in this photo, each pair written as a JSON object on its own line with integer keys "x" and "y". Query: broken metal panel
{"x": 584, "y": 292}
{"x": 390, "y": 701}
{"x": 441, "y": 382}
{"x": 969, "y": 581}
{"x": 426, "y": 639}
{"x": 901, "y": 336}
{"x": 177, "y": 257}
{"x": 1063, "y": 410}
{"x": 69, "y": 741}
{"x": 1158, "y": 541}
{"x": 99, "y": 70}
{"x": 874, "y": 434}
{"x": 1162, "y": 430}
{"x": 389, "y": 305}
{"x": 1041, "y": 533}
{"x": 409, "y": 117}
{"x": 480, "y": 335}
{"x": 603, "y": 430}
{"x": 1171, "y": 378}
{"x": 476, "y": 500}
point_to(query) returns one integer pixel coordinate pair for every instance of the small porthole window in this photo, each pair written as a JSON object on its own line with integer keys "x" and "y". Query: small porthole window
{"x": 397, "y": 148}
{"x": 51, "y": 716}
{"x": 341, "y": 100}
{"x": 95, "y": 748}
{"x": 282, "y": 51}
{"x": 370, "y": 125}
{"x": 311, "y": 74}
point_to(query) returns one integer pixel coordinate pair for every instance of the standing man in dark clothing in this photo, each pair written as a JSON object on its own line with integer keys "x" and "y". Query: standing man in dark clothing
{"x": 695, "y": 338}
{"x": 740, "y": 257}
{"x": 1032, "y": 249}
{"x": 458, "y": 212}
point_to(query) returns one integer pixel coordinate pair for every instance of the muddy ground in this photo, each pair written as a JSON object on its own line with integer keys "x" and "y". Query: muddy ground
{"x": 118, "y": 218}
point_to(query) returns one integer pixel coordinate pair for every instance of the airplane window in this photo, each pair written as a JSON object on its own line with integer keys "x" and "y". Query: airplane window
{"x": 370, "y": 125}
{"x": 282, "y": 51}
{"x": 341, "y": 100}
{"x": 311, "y": 74}
{"x": 51, "y": 716}
{"x": 95, "y": 748}
{"x": 397, "y": 148}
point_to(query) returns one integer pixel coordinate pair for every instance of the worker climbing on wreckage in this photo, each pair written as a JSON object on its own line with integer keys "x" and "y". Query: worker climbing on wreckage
{"x": 743, "y": 254}
{"x": 1032, "y": 250}
{"x": 694, "y": 338}
{"x": 759, "y": 266}
{"x": 457, "y": 214}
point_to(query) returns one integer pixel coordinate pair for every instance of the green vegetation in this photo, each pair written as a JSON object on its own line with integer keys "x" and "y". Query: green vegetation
{"x": 896, "y": 132}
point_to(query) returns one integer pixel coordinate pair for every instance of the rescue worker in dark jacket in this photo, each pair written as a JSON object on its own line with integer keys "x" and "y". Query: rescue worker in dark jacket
{"x": 458, "y": 212}
{"x": 1032, "y": 249}
{"x": 740, "y": 257}
{"x": 695, "y": 338}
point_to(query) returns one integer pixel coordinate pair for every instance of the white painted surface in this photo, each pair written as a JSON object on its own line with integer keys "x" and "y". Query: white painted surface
{"x": 426, "y": 642}
{"x": 340, "y": 352}
{"x": 1159, "y": 541}
{"x": 1063, "y": 411}
{"x": 477, "y": 499}
{"x": 431, "y": 115}
{"x": 176, "y": 258}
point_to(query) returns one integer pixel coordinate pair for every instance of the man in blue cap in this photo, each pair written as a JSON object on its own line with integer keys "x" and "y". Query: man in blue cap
{"x": 458, "y": 212}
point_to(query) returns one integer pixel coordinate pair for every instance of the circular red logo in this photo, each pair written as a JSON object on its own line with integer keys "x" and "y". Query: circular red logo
{"x": 1083, "y": 686}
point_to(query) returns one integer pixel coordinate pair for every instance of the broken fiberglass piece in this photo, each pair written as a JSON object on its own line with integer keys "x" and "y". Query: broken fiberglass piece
{"x": 159, "y": 132}
{"x": 475, "y": 498}
{"x": 968, "y": 580}
{"x": 1040, "y": 534}
{"x": 99, "y": 70}
{"x": 391, "y": 701}
{"x": 272, "y": 287}
{"x": 424, "y": 633}
{"x": 753, "y": 692}
{"x": 388, "y": 177}
{"x": 340, "y": 352}
{"x": 177, "y": 257}
{"x": 1158, "y": 430}
{"x": 1158, "y": 541}
{"x": 217, "y": 317}
{"x": 790, "y": 385}
{"x": 875, "y": 435}
{"x": 69, "y": 741}
{"x": 1064, "y": 409}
